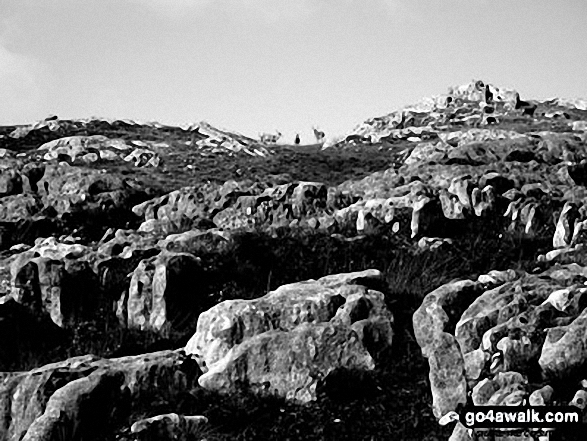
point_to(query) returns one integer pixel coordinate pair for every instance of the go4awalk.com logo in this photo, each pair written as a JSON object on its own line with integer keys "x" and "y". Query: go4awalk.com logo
{"x": 534, "y": 421}
{"x": 519, "y": 416}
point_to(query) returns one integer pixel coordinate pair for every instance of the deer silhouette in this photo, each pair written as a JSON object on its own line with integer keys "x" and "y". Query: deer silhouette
{"x": 319, "y": 135}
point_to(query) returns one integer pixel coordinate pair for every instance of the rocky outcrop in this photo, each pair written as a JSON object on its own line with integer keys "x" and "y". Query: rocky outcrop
{"x": 78, "y": 409}
{"x": 81, "y": 132}
{"x": 434, "y": 323}
{"x": 466, "y": 178}
{"x": 288, "y": 341}
{"x": 89, "y": 149}
{"x": 40, "y": 200}
{"x": 495, "y": 337}
{"x": 475, "y": 162}
{"x": 87, "y": 397}
{"x": 473, "y": 104}
{"x": 70, "y": 189}
{"x": 151, "y": 284}
{"x": 233, "y": 205}
{"x": 216, "y": 140}
{"x": 47, "y": 278}
{"x": 69, "y": 282}
{"x": 177, "y": 211}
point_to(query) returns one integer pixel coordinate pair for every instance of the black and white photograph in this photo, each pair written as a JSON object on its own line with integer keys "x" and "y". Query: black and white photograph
{"x": 293, "y": 220}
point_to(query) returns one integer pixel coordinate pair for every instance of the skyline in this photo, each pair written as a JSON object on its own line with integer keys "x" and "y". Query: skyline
{"x": 254, "y": 66}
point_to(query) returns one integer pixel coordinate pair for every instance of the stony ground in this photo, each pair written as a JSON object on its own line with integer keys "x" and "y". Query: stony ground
{"x": 123, "y": 240}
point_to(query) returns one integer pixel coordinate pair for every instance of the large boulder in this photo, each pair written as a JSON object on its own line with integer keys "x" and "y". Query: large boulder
{"x": 291, "y": 339}
{"x": 289, "y": 364}
{"x": 71, "y": 189}
{"x": 86, "y": 397}
{"x": 79, "y": 409}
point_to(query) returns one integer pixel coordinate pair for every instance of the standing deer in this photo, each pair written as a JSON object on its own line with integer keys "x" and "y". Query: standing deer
{"x": 319, "y": 135}
{"x": 269, "y": 138}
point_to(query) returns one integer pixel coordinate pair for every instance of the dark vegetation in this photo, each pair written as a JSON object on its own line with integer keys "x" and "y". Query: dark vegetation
{"x": 289, "y": 163}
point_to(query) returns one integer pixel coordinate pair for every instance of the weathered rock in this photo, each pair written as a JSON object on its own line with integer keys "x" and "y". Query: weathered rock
{"x": 10, "y": 182}
{"x": 276, "y": 207}
{"x": 308, "y": 198}
{"x": 197, "y": 242}
{"x": 541, "y": 397}
{"x": 180, "y": 207}
{"x": 366, "y": 215}
{"x": 126, "y": 243}
{"x": 163, "y": 293}
{"x": 32, "y": 172}
{"x": 293, "y": 337}
{"x": 447, "y": 374}
{"x": 142, "y": 158}
{"x": 73, "y": 147}
{"x": 168, "y": 427}
{"x": 25, "y": 396}
{"x": 71, "y": 189}
{"x": 289, "y": 364}
{"x": 494, "y": 391}
{"x": 85, "y": 397}
{"x": 564, "y": 349}
{"x": 433, "y": 243}
{"x": 218, "y": 140}
{"x": 475, "y": 363}
{"x": 79, "y": 409}
{"x": 460, "y": 433}
{"x": 565, "y": 226}
{"x": 500, "y": 336}
{"x": 481, "y": 315}
{"x": 50, "y": 282}
{"x": 17, "y": 207}
{"x": 441, "y": 309}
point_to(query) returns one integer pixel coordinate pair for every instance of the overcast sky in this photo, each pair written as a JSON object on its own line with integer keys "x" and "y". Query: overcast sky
{"x": 261, "y": 65}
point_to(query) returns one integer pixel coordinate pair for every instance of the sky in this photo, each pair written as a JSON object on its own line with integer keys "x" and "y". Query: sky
{"x": 256, "y": 66}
